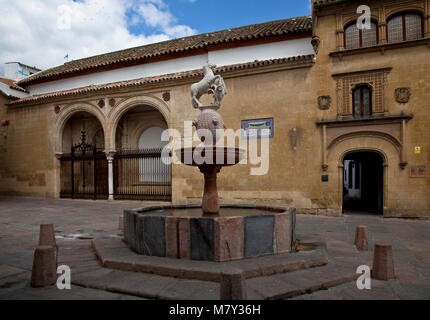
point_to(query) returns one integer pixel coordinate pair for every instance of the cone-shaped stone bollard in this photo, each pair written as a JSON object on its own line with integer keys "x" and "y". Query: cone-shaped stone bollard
{"x": 47, "y": 235}
{"x": 361, "y": 241}
{"x": 121, "y": 223}
{"x": 44, "y": 272}
{"x": 383, "y": 265}
{"x": 233, "y": 285}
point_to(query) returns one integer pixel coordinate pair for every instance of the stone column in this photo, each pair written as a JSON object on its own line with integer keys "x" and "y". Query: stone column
{"x": 110, "y": 158}
{"x": 382, "y": 33}
{"x": 427, "y": 19}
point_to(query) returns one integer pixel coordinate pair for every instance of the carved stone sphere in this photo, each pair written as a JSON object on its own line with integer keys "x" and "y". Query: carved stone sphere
{"x": 210, "y": 120}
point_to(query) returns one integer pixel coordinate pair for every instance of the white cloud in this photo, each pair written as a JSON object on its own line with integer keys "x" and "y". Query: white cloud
{"x": 41, "y": 33}
{"x": 155, "y": 14}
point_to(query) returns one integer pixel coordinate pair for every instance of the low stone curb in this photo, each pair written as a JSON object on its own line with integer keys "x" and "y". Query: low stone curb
{"x": 114, "y": 254}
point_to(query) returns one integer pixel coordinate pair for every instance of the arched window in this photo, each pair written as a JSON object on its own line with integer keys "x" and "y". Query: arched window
{"x": 405, "y": 27}
{"x": 358, "y": 38}
{"x": 362, "y": 101}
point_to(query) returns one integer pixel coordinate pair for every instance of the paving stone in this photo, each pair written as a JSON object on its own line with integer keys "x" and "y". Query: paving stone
{"x": 140, "y": 284}
{"x": 191, "y": 290}
{"x": 6, "y": 271}
{"x": 271, "y": 288}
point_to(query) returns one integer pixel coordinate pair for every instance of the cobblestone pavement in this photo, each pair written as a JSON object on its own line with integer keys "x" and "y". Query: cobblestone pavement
{"x": 77, "y": 221}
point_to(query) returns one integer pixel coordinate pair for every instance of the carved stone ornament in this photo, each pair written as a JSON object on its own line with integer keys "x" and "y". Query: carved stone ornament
{"x": 112, "y": 102}
{"x": 403, "y": 95}
{"x": 324, "y": 102}
{"x": 315, "y": 43}
{"x": 166, "y": 96}
{"x": 57, "y": 109}
{"x": 101, "y": 103}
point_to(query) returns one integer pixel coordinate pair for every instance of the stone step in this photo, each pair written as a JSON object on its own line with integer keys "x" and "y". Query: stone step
{"x": 114, "y": 254}
{"x": 274, "y": 287}
{"x": 148, "y": 286}
{"x": 296, "y": 283}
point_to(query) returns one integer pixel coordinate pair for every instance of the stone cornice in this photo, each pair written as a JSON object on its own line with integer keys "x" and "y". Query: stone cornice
{"x": 381, "y": 48}
{"x": 365, "y": 121}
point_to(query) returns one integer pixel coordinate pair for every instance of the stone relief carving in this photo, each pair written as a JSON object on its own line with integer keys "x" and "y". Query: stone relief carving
{"x": 315, "y": 43}
{"x": 166, "y": 96}
{"x": 324, "y": 102}
{"x": 403, "y": 95}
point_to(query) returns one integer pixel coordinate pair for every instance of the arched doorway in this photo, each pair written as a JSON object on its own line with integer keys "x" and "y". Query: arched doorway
{"x": 83, "y": 164}
{"x": 139, "y": 170}
{"x": 363, "y": 182}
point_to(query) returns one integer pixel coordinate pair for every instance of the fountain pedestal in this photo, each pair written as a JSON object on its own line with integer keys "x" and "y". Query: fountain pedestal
{"x": 210, "y": 200}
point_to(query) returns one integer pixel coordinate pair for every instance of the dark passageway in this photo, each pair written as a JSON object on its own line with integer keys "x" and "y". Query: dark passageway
{"x": 363, "y": 183}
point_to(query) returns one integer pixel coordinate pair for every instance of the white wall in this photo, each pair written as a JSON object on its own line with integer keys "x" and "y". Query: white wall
{"x": 123, "y": 74}
{"x": 17, "y": 71}
{"x": 9, "y": 91}
{"x": 275, "y": 50}
{"x": 282, "y": 49}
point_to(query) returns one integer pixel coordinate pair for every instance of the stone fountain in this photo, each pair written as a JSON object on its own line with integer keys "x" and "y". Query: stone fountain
{"x": 211, "y": 232}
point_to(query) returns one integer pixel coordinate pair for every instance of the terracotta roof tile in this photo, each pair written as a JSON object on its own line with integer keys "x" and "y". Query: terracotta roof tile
{"x": 12, "y": 84}
{"x": 181, "y": 45}
{"x": 163, "y": 78}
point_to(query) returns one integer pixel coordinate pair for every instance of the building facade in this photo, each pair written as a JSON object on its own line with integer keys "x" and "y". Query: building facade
{"x": 347, "y": 109}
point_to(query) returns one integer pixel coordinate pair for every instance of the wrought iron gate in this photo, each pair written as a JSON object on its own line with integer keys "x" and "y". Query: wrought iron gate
{"x": 142, "y": 175}
{"x": 84, "y": 172}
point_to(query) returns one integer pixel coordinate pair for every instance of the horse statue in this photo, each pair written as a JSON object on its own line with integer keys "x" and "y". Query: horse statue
{"x": 210, "y": 84}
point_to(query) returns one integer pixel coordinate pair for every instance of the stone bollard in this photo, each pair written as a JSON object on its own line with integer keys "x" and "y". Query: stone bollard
{"x": 121, "y": 223}
{"x": 233, "y": 285}
{"x": 44, "y": 272}
{"x": 47, "y": 235}
{"x": 383, "y": 265}
{"x": 361, "y": 241}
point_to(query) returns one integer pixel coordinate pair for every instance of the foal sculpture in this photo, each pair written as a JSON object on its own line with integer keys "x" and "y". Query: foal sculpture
{"x": 210, "y": 84}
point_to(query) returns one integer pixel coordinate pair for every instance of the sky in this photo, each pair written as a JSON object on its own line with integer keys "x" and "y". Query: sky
{"x": 42, "y": 33}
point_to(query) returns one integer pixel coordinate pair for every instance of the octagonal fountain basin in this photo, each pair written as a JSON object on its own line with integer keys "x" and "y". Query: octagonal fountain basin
{"x": 237, "y": 232}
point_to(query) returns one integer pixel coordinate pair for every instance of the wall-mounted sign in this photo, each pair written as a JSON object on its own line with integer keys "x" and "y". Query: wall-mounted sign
{"x": 417, "y": 149}
{"x": 257, "y": 128}
{"x": 324, "y": 178}
{"x": 418, "y": 172}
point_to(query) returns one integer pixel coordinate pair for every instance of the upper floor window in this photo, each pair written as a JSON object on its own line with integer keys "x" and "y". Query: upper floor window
{"x": 405, "y": 27}
{"x": 358, "y": 38}
{"x": 362, "y": 101}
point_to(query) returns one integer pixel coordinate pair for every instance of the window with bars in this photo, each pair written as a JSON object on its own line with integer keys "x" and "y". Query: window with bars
{"x": 358, "y": 38}
{"x": 405, "y": 27}
{"x": 362, "y": 101}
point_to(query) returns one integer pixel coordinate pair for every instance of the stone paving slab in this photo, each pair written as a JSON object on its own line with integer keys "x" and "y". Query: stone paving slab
{"x": 6, "y": 271}
{"x": 107, "y": 251}
{"x": 148, "y": 285}
{"x": 287, "y": 285}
